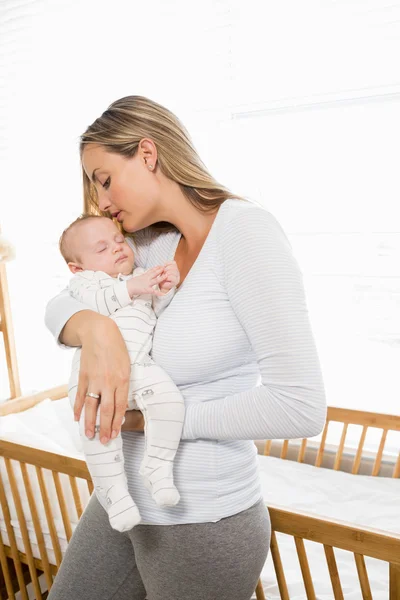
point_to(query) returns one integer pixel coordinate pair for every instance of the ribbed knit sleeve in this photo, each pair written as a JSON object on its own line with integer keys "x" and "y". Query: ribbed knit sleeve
{"x": 264, "y": 285}
{"x": 63, "y": 306}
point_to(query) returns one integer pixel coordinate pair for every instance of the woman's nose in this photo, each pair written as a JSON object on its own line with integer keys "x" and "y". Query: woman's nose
{"x": 104, "y": 202}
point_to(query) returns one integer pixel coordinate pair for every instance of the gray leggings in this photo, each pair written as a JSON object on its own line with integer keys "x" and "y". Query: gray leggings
{"x": 195, "y": 561}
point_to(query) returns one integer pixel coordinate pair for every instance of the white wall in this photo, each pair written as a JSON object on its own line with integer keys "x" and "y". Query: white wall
{"x": 296, "y": 104}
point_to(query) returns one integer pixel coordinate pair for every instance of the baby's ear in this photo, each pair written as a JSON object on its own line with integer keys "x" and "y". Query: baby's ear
{"x": 74, "y": 268}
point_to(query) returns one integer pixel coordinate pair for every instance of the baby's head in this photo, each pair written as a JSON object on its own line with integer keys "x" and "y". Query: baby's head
{"x": 95, "y": 243}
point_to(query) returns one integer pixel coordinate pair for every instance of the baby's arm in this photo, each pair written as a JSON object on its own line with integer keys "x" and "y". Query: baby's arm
{"x": 87, "y": 289}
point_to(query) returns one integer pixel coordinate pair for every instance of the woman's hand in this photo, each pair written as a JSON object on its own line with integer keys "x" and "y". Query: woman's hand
{"x": 104, "y": 370}
{"x": 134, "y": 421}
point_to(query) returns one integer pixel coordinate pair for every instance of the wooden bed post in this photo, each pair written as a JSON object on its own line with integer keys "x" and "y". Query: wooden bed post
{"x": 394, "y": 581}
{"x": 6, "y": 330}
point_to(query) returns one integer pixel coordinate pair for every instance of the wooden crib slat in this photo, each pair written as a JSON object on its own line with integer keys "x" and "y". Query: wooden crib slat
{"x": 302, "y": 451}
{"x": 333, "y": 572}
{"x": 357, "y": 459}
{"x": 49, "y": 516}
{"x": 77, "y": 498}
{"x": 280, "y": 575}
{"x": 305, "y": 568}
{"x": 285, "y": 447}
{"x": 12, "y": 541}
{"x": 5, "y": 572}
{"x": 23, "y": 527}
{"x": 394, "y": 581}
{"x": 396, "y": 471}
{"x": 321, "y": 448}
{"x": 63, "y": 505}
{"x": 267, "y": 447}
{"x": 90, "y": 486}
{"x": 260, "y": 591}
{"x": 37, "y": 526}
{"x": 363, "y": 576}
{"x": 378, "y": 460}
{"x": 339, "y": 453}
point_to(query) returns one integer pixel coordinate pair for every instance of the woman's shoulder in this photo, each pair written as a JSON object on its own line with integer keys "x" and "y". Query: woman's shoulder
{"x": 243, "y": 213}
{"x": 246, "y": 221}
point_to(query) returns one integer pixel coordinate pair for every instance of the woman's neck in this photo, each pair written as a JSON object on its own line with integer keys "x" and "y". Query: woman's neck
{"x": 193, "y": 224}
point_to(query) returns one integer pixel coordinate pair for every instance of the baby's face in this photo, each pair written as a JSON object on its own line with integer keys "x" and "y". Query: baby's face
{"x": 100, "y": 246}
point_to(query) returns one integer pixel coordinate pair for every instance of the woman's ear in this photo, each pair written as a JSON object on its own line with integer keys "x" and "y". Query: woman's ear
{"x": 148, "y": 151}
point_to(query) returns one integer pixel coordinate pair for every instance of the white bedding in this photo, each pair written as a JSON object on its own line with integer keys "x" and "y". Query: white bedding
{"x": 361, "y": 500}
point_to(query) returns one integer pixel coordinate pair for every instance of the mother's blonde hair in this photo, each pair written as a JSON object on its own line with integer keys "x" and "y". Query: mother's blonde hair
{"x": 120, "y": 129}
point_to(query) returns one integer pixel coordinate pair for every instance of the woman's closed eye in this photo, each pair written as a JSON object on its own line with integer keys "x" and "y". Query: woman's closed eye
{"x": 107, "y": 182}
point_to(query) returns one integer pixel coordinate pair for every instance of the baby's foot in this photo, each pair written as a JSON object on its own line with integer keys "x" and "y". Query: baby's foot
{"x": 160, "y": 483}
{"x": 123, "y": 513}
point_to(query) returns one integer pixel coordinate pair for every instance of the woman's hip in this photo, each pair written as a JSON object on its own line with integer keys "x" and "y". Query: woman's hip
{"x": 221, "y": 560}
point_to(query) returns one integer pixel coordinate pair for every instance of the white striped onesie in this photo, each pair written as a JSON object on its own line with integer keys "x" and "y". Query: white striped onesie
{"x": 151, "y": 390}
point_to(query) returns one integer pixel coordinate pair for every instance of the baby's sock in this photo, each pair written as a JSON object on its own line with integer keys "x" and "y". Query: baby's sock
{"x": 158, "y": 479}
{"x": 106, "y": 466}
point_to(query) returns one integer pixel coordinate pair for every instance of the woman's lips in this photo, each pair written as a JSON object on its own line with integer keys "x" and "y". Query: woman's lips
{"x": 119, "y": 216}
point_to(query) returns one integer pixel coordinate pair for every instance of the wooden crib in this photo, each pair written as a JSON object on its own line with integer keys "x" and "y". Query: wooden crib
{"x": 20, "y": 568}
{"x": 331, "y": 534}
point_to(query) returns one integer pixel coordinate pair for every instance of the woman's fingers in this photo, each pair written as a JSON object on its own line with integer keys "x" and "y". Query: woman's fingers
{"x": 106, "y": 413}
{"x": 104, "y": 369}
{"x": 121, "y": 403}
{"x": 80, "y": 394}
{"x": 91, "y": 405}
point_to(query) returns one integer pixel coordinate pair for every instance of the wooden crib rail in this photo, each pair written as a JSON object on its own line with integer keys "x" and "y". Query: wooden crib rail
{"x": 24, "y": 402}
{"x": 17, "y": 459}
{"x": 45, "y": 460}
{"x": 361, "y": 541}
{"x": 348, "y": 417}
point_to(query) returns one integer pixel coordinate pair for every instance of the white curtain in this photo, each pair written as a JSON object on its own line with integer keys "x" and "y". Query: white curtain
{"x": 295, "y": 104}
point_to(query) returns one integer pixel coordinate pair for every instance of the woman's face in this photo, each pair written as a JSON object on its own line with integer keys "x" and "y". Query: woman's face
{"x": 125, "y": 186}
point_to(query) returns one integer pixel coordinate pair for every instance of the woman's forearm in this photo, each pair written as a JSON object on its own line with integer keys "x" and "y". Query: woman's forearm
{"x": 79, "y": 325}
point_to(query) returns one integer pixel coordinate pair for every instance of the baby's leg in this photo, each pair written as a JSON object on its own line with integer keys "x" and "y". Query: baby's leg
{"x": 163, "y": 409}
{"x": 106, "y": 467}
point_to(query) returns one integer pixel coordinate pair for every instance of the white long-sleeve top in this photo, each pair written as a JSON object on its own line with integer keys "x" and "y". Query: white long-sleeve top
{"x": 237, "y": 341}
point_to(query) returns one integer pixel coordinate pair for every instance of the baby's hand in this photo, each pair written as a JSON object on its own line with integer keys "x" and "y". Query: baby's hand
{"x": 171, "y": 276}
{"x": 143, "y": 284}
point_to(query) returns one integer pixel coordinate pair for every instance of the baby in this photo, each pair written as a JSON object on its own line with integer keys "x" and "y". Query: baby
{"x": 102, "y": 262}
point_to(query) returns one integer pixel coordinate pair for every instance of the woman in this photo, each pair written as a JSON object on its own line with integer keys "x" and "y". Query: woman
{"x": 239, "y": 313}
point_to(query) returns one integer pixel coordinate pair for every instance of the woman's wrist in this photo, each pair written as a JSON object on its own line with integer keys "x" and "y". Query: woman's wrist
{"x": 81, "y": 325}
{"x": 93, "y": 322}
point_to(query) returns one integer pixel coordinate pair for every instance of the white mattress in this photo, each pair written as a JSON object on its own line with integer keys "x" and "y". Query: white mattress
{"x": 362, "y": 500}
